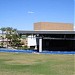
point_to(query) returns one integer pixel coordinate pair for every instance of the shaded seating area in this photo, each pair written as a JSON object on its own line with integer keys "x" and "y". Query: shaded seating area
{"x": 53, "y": 40}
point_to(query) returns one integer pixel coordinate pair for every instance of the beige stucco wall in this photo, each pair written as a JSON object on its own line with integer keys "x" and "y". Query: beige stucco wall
{"x": 53, "y": 26}
{"x": 25, "y": 41}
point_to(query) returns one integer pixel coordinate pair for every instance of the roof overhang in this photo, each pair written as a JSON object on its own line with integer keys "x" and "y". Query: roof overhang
{"x": 45, "y": 32}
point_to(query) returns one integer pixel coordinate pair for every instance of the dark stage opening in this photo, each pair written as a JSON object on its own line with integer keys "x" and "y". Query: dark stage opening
{"x": 58, "y": 45}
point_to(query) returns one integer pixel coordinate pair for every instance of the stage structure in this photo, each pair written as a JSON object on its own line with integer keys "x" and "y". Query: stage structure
{"x": 53, "y": 40}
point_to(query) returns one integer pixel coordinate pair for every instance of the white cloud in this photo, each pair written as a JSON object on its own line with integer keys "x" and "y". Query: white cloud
{"x": 30, "y": 12}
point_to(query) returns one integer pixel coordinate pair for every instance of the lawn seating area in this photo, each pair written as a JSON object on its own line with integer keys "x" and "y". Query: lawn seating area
{"x": 36, "y": 64}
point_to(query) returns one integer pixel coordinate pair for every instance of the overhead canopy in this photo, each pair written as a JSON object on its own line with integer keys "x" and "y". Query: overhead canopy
{"x": 46, "y": 32}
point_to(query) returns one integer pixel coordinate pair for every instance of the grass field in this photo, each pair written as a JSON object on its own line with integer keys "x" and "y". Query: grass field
{"x": 36, "y": 64}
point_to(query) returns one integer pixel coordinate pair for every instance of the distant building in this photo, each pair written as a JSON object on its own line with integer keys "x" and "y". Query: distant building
{"x": 29, "y": 41}
{"x": 53, "y": 26}
{"x": 4, "y": 40}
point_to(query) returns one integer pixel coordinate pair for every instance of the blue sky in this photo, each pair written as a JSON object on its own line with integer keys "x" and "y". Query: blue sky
{"x": 21, "y": 14}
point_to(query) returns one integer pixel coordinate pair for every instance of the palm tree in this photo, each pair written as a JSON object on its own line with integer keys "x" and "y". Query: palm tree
{"x": 3, "y": 29}
{"x": 9, "y": 34}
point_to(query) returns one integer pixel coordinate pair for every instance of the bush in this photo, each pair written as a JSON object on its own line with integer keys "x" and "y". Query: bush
{"x": 23, "y": 47}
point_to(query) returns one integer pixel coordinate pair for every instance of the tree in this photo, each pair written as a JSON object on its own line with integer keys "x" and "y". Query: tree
{"x": 13, "y": 36}
{"x": 16, "y": 42}
{"x": 3, "y": 29}
{"x": 9, "y": 35}
{"x": 13, "y": 39}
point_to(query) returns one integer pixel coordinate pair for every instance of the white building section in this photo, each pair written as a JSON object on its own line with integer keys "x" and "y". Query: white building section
{"x": 31, "y": 40}
{"x": 40, "y": 45}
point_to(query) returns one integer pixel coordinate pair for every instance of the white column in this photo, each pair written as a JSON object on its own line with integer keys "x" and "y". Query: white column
{"x": 40, "y": 45}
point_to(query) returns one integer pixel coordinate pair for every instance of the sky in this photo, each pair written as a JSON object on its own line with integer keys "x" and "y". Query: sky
{"x": 22, "y": 14}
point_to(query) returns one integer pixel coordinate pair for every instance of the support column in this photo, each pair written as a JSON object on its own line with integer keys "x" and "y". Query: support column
{"x": 40, "y": 45}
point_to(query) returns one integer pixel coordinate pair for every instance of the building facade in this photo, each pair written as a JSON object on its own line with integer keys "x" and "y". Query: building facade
{"x": 53, "y": 36}
{"x": 55, "y": 41}
{"x": 53, "y": 26}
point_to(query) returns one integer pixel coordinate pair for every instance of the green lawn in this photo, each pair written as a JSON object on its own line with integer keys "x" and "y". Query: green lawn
{"x": 36, "y": 64}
